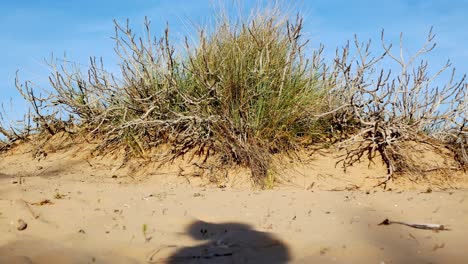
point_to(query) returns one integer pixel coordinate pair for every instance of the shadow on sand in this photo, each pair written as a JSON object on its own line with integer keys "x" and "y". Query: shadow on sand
{"x": 229, "y": 243}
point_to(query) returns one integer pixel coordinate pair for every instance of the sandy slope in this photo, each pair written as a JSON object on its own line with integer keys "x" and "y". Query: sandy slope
{"x": 93, "y": 217}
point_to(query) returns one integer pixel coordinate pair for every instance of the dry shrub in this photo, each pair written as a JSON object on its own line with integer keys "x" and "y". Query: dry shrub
{"x": 382, "y": 110}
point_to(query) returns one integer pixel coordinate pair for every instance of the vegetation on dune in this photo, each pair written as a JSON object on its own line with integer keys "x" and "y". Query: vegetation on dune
{"x": 247, "y": 90}
{"x": 391, "y": 109}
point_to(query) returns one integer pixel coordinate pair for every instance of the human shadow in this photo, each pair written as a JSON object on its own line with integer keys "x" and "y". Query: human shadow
{"x": 231, "y": 243}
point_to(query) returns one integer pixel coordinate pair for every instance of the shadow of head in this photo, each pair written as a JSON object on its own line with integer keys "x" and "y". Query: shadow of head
{"x": 231, "y": 243}
{"x": 201, "y": 230}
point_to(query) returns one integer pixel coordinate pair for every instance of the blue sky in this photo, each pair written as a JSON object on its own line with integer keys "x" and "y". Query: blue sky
{"x": 30, "y": 30}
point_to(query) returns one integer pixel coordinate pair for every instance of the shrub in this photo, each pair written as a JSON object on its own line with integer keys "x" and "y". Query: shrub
{"x": 245, "y": 91}
{"x": 384, "y": 111}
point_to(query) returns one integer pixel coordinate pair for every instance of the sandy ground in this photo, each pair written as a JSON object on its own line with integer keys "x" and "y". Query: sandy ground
{"x": 82, "y": 211}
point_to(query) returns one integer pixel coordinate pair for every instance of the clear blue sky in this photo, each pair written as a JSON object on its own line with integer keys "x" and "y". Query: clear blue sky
{"x": 30, "y": 30}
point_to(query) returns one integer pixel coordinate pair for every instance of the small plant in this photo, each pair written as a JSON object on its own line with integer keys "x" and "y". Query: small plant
{"x": 145, "y": 233}
{"x": 270, "y": 180}
{"x": 59, "y": 196}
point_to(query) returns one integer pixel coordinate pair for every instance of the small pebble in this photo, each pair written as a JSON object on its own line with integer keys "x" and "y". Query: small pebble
{"x": 22, "y": 225}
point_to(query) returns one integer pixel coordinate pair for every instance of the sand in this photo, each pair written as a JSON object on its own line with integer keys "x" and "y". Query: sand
{"x": 89, "y": 210}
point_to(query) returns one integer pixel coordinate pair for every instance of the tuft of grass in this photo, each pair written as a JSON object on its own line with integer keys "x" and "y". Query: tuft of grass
{"x": 270, "y": 181}
{"x": 253, "y": 77}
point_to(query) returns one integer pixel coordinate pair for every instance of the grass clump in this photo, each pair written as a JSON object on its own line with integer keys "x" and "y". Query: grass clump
{"x": 255, "y": 80}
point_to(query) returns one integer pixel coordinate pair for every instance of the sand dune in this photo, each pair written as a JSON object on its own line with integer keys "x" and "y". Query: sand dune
{"x": 84, "y": 210}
